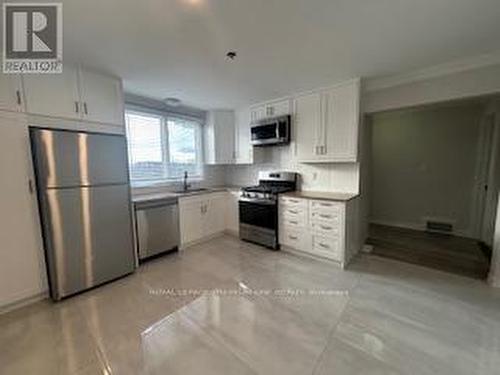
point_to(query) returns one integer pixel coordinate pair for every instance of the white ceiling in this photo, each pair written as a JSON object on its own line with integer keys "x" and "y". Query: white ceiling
{"x": 177, "y": 48}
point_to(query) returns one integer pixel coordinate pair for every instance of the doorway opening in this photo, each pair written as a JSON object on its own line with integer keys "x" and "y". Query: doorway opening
{"x": 434, "y": 178}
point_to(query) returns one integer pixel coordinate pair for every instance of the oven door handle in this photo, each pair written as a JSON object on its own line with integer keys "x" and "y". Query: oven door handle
{"x": 258, "y": 201}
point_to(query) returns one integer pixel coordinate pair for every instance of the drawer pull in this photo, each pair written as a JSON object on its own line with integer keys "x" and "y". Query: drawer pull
{"x": 325, "y": 216}
{"x": 294, "y": 201}
{"x": 293, "y": 238}
{"x": 293, "y": 212}
{"x": 323, "y": 245}
{"x": 325, "y": 204}
{"x": 325, "y": 227}
{"x": 293, "y": 222}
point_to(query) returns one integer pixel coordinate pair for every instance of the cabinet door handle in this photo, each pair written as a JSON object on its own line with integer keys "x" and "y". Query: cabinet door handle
{"x": 293, "y": 238}
{"x": 325, "y": 216}
{"x": 325, "y": 227}
{"x": 77, "y": 107}
{"x": 85, "y": 108}
{"x": 293, "y": 222}
{"x": 18, "y": 97}
{"x": 293, "y": 212}
{"x": 323, "y": 246}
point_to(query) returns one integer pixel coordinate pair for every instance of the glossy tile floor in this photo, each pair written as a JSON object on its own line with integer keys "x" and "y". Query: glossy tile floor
{"x": 263, "y": 312}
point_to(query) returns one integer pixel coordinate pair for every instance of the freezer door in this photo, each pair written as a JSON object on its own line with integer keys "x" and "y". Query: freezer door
{"x": 88, "y": 236}
{"x": 69, "y": 159}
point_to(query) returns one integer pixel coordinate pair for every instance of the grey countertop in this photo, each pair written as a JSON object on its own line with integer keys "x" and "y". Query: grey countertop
{"x": 321, "y": 195}
{"x": 167, "y": 195}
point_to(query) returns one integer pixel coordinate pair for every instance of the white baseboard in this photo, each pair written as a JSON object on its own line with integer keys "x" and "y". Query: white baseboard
{"x": 367, "y": 249}
{"x": 306, "y": 254}
{"x": 23, "y": 302}
{"x": 201, "y": 240}
{"x": 233, "y": 233}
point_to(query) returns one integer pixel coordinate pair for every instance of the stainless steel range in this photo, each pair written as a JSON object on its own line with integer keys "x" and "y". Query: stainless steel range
{"x": 258, "y": 206}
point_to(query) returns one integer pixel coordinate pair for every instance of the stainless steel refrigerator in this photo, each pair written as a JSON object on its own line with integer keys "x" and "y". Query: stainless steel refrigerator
{"x": 85, "y": 208}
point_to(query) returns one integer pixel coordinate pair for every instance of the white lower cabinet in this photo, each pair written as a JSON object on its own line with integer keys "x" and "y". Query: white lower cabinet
{"x": 232, "y": 212}
{"x": 201, "y": 216}
{"x": 318, "y": 227}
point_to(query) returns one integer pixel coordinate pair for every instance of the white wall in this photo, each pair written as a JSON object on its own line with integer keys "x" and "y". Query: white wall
{"x": 466, "y": 84}
{"x": 494, "y": 276}
{"x": 341, "y": 177}
{"x": 424, "y": 166}
{"x": 492, "y": 117}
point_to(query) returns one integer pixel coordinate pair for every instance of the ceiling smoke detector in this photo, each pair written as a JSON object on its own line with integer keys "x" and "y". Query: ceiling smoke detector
{"x": 231, "y": 55}
{"x": 173, "y": 102}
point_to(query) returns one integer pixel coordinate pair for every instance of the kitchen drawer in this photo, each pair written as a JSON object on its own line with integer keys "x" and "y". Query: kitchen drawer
{"x": 328, "y": 247}
{"x": 296, "y": 222}
{"x": 329, "y": 218}
{"x": 295, "y": 238}
{"x": 326, "y": 206}
{"x": 295, "y": 202}
{"x": 327, "y": 229}
{"x": 295, "y": 213}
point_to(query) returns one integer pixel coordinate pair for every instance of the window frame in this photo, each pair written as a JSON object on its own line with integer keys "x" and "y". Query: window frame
{"x": 165, "y": 146}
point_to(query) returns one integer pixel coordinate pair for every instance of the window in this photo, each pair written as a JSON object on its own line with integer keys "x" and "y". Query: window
{"x": 161, "y": 148}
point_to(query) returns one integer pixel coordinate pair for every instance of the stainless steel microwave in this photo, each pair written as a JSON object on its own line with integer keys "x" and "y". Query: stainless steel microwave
{"x": 271, "y": 131}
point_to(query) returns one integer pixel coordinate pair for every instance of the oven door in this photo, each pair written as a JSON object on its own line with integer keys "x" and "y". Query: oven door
{"x": 259, "y": 222}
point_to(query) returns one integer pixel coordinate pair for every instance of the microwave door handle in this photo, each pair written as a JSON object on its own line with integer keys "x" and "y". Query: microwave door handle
{"x": 277, "y": 129}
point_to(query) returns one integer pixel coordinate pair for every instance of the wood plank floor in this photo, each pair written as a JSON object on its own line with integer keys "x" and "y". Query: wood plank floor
{"x": 458, "y": 255}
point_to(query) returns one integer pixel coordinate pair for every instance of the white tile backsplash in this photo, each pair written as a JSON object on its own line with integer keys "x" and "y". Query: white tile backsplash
{"x": 338, "y": 177}
{"x": 213, "y": 175}
{"x": 333, "y": 177}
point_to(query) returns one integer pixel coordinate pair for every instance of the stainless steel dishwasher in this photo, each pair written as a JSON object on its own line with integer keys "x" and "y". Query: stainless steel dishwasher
{"x": 157, "y": 226}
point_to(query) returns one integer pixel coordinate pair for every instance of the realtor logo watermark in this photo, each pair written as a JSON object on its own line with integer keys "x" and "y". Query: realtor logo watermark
{"x": 32, "y": 34}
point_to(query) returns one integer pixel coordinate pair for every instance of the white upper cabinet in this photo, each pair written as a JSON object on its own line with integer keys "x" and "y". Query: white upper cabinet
{"x": 326, "y": 124}
{"x": 242, "y": 147}
{"x": 75, "y": 94}
{"x": 11, "y": 93}
{"x": 101, "y": 98}
{"x": 341, "y": 123}
{"x": 257, "y": 113}
{"x": 54, "y": 95}
{"x": 219, "y": 137}
{"x": 307, "y": 126}
{"x": 278, "y": 108}
{"x": 270, "y": 109}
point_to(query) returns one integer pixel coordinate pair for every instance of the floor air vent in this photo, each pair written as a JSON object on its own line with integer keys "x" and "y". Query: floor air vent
{"x": 438, "y": 226}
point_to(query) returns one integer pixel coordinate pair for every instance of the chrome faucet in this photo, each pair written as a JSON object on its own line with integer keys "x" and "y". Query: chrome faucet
{"x": 186, "y": 186}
